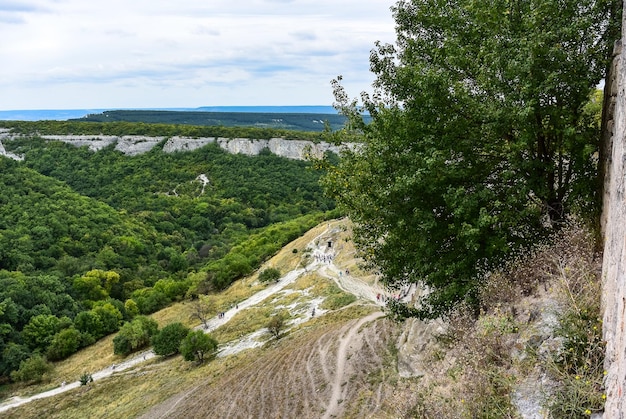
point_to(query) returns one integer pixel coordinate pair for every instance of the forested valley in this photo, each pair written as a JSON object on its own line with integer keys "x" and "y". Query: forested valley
{"x": 89, "y": 240}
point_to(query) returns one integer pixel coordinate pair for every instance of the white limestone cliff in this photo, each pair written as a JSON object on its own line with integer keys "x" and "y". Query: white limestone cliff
{"x": 136, "y": 144}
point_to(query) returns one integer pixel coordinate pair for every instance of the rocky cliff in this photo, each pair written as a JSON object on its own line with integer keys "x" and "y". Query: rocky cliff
{"x": 4, "y": 134}
{"x": 614, "y": 232}
{"x": 135, "y": 144}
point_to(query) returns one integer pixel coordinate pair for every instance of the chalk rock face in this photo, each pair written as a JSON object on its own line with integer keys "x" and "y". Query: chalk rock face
{"x": 294, "y": 149}
{"x": 94, "y": 142}
{"x": 5, "y": 133}
{"x": 250, "y": 147}
{"x": 417, "y": 338}
{"x": 175, "y": 144}
{"x": 137, "y": 144}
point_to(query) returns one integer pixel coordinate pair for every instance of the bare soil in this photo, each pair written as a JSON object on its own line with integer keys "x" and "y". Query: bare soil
{"x": 333, "y": 371}
{"x": 337, "y": 364}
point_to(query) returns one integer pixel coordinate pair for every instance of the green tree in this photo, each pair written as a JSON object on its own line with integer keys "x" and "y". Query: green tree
{"x": 12, "y": 355}
{"x": 89, "y": 322}
{"x": 167, "y": 340}
{"x": 40, "y": 331}
{"x": 96, "y": 285}
{"x": 269, "y": 274}
{"x": 198, "y": 345}
{"x": 276, "y": 325}
{"x": 478, "y": 145}
{"x": 110, "y": 317}
{"x": 64, "y": 344}
{"x": 134, "y": 335}
{"x": 89, "y": 287}
{"x": 32, "y": 369}
{"x": 131, "y": 308}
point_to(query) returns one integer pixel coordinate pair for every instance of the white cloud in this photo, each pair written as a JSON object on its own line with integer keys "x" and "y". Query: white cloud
{"x": 157, "y": 53}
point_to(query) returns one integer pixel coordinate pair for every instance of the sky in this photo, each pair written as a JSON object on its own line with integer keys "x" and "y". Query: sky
{"x": 104, "y": 54}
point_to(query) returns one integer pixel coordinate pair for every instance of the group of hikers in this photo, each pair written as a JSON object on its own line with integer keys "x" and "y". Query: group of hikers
{"x": 324, "y": 258}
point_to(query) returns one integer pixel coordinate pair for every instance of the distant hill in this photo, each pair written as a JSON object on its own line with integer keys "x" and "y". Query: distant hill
{"x": 266, "y": 109}
{"x": 277, "y": 120}
{"x": 65, "y": 114}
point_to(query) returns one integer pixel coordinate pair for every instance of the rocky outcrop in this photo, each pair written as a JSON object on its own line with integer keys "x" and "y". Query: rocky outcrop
{"x": 414, "y": 345}
{"x": 135, "y": 144}
{"x": 614, "y": 232}
{"x": 4, "y": 133}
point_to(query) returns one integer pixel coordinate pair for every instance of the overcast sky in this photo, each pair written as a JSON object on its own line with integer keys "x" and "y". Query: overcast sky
{"x": 74, "y": 54}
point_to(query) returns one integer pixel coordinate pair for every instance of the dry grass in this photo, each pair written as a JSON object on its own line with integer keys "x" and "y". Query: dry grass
{"x": 209, "y": 389}
{"x": 131, "y": 392}
{"x": 472, "y": 371}
{"x": 479, "y": 364}
{"x": 128, "y": 394}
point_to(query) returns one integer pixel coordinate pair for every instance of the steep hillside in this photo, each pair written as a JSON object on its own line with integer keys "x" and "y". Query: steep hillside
{"x": 100, "y": 237}
{"x": 533, "y": 350}
{"x": 342, "y": 343}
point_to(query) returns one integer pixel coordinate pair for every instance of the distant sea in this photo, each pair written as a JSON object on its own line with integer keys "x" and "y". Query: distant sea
{"x": 65, "y": 114}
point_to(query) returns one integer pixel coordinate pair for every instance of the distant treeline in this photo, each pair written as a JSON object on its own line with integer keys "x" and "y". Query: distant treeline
{"x": 284, "y": 121}
{"x": 120, "y": 128}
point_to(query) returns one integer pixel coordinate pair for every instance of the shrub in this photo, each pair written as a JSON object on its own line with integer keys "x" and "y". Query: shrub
{"x": 276, "y": 325}
{"x": 85, "y": 379}
{"x": 32, "y": 370}
{"x": 269, "y": 274}
{"x": 122, "y": 345}
{"x": 64, "y": 344}
{"x": 167, "y": 340}
{"x": 197, "y": 345}
{"x": 89, "y": 322}
{"x": 134, "y": 335}
{"x": 578, "y": 367}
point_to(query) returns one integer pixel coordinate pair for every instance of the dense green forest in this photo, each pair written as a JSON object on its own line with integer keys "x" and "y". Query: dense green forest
{"x": 90, "y": 240}
{"x": 121, "y": 127}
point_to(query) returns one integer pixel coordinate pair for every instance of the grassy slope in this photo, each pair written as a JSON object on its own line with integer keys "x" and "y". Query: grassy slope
{"x": 507, "y": 355}
{"x": 129, "y": 393}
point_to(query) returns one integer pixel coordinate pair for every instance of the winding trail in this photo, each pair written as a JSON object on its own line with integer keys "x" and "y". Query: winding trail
{"x": 337, "y": 395}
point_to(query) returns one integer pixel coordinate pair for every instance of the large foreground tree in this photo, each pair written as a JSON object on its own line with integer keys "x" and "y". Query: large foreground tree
{"x": 480, "y": 143}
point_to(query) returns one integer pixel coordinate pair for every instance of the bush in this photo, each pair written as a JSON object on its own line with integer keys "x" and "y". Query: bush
{"x": 122, "y": 345}
{"x": 89, "y": 322}
{"x": 32, "y": 370}
{"x": 85, "y": 379}
{"x": 579, "y": 367}
{"x": 149, "y": 300}
{"x": 134, "y": 335}
{"x": 11, "y": 357}
{"x": 269, "y": 274}
{"x": 276, "y": 325}
{"x": 167, "y": 340}
{"x": 197, "y": 345}
{"x": 64, "y": 344}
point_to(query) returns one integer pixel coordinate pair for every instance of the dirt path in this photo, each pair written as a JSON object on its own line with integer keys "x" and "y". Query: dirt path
{"x": 322, "y": 262}
{"x": 338, "y": 384}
